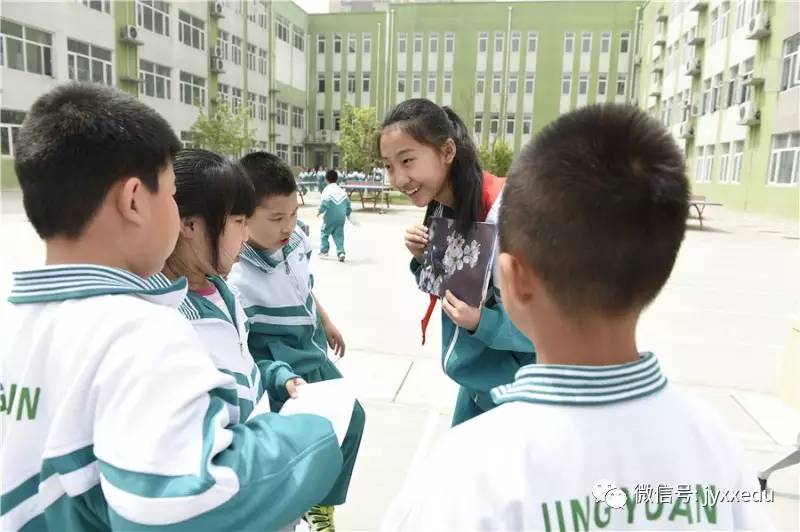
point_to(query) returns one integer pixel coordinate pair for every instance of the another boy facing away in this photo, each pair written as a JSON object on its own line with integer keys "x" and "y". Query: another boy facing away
{"x": 120, "y": 419}
{"x": 593, "y": 217}
{"x": 335, "y": 210}
{"x": 287, "y": 323}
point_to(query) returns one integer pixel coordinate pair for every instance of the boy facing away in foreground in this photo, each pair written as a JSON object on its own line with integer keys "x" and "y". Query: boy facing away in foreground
{"x": 592, "y": 220}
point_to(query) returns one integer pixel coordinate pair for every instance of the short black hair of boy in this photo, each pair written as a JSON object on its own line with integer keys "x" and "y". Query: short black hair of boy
{"x": 212, "y": 188}
{"x": 331, "y": 176}
{"x": 270, "y": 175}
{"x": 597, "y": 203}
{"x": 77, "y": 141}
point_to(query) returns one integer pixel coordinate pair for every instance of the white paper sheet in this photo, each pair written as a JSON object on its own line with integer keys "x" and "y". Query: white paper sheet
{"x": 333, "y": 400}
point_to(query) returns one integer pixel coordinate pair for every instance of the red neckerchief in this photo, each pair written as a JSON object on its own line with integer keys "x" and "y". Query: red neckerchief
{"x": 491, "y": 188}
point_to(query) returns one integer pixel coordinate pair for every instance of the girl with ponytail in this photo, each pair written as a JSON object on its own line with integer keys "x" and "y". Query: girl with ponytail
{"x": 429, "y": 156}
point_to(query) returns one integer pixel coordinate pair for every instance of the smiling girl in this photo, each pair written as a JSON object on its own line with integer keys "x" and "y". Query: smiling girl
{"x": 430, "y": 157}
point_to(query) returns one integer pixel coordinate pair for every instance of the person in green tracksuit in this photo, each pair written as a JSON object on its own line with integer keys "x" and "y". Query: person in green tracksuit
{"x": 335, "y": 209}
{"x": 429, "y": 155}
{"x": 287, "y": 323}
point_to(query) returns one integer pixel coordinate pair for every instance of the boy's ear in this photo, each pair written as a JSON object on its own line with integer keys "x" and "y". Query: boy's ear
{"x": 517, "y": 280}
{"x": 130, "y": 200}
{"x": 189, "y": 227}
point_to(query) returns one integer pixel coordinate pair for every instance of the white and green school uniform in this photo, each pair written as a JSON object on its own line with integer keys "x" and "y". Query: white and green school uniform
{"x": 275, "y": 291}
{"x": 557, "y": 432}
{"x": 116, "y": 418}
{"x": 490, "y": 355}
{"x": 223, "y": 328}
{"x": 335, "y": 208}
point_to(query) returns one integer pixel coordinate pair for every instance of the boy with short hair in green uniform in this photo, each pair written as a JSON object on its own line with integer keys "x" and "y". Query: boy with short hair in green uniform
{"x": 287, "y": 323}
{"x": 335, "y": 209}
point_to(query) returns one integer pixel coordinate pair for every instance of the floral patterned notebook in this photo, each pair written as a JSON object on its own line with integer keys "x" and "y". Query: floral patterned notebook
{"x": 461, "y": 263}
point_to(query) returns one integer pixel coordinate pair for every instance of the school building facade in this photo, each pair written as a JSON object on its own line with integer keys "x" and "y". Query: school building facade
{"x": 507, "y": 68}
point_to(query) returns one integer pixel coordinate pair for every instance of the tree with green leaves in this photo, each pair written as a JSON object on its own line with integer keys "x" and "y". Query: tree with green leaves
{"x": 496, "y": 158}
{"x": 224, "y": 131}
{"x": 358, "y": 137}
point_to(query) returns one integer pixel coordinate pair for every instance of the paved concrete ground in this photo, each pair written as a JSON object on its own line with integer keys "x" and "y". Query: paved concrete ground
{"x": 720, "y": 328}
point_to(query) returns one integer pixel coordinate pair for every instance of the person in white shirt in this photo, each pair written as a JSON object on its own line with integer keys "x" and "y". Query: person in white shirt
{"x": 592, "y": 436}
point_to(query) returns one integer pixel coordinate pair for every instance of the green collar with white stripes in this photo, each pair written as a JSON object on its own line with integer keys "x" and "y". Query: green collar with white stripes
{"x": 197, "y": 307}
{"x": 79, "y": 281}
{"x": 266, "y": 261}
{"x": 583, "y": 385}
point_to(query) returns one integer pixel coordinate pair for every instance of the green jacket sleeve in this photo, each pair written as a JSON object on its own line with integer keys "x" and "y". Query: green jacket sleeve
{"x": 497, "y": 331}
{"x": 274, "y": 376}
{"x": 323, "y": 206}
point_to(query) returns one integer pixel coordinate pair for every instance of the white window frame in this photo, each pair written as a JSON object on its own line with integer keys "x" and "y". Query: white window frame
{"x": 401, "y": 82}
{"x": 586, "y": 37}
{"x": 402, "y": 43}
{"x": 298, "y": 39}
{"x": 602, "y": 84}
{"x": 93, "y": 62}
{"x": 510, "y": 124}
{"x": 499, "y": 41}
{"x": 196, "y": 86}
{"x": 103, "y": 6}
{"x": 252, "y": 54}
{"x": 483, "y": 42}
{"x": 236, "y": 50}
{"x": 321, "y": 43}
{"x": 337, "y": 43}
{"x": 192, "y": 32}
{"x": 282, "y": 29}
{"x": 736, "y": 162}
{"x": 351, "y": 82}
{"x": 622, "y": 83}
{"x": 513, "y": 82}
{"x": 533, "y": 42}
{"x": 432, "y": 83}
{"x": 791, "y": 150}
{"x": 625, "y": 42}
{"x": 416, "y": 82}
{"x": 480, "y": 82}
{"x": 149, "y": 70}
{"x": 262, "y": 61}
{"x": 583, "y": 85}
{"x": 352, "y": 43}
{"x": 365, "y": 81}
{"x": 151, "y": 10}
{"x": 433, "y": 43}
{"x": 478, "y": 124}
{"x": 281, "y": 113}
{"x": 527, "y": 124}
{"x": 497, "y": 82}
{"x": 566, "y": 85}
{"x": 605, "y": 42}
{"x": 366, "y": 43}
{"x": 252, "y": 104}
{"x": 516, "y": 38}
{"x": 10, "y": 130}
{"x": 262, "y": 107}
{"x": 44, "y": 50}
{"x": 417, "y": 43}
{"x": 297, "y": 156}
{"x": 569, "y": 42}
{"x": 236, "y": 99}
{"x": 337, "y": 82}
{"x": 723, "y": 171}
{"x": 449, "y": 43}
{"x": 298, "y": 117}
{"x": 530, "y": 82}
{"x": 447, "y": 84}
{"x": 790, "y": 65}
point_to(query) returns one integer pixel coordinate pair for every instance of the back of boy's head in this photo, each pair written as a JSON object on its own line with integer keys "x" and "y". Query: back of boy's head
{"x": 331, "y": 176}
{"x": 77, "y": 141}
{"x": 270, "y": 175}
{"x": 596, "y": 204}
